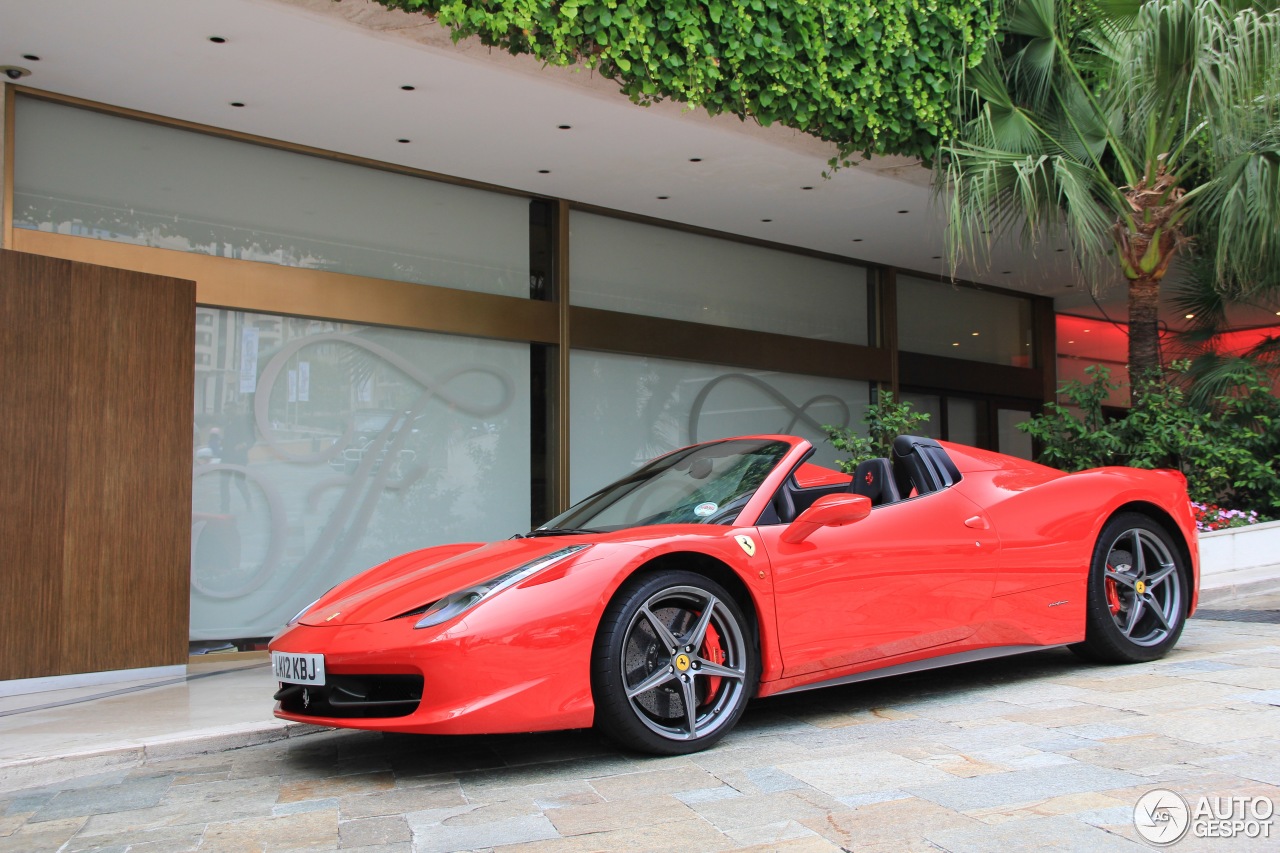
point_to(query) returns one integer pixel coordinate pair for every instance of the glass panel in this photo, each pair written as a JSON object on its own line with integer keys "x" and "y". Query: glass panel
{"x": 958, "y": 322}
{"x": 94, "y": 175}
{"x": 1012, "y": 440}
{"x": 964, "y": 418}
{"x": 322, "y": 449}
{"x": 661, "y": 272}
{"x": 625, "y": 410}
{"x": 930, "y": 404}
{"x": 707, "y": 484}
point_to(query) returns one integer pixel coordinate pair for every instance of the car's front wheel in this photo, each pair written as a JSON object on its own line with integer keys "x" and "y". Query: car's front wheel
{"x": 1138, "y": 596}
{"x": 675, "y": 663}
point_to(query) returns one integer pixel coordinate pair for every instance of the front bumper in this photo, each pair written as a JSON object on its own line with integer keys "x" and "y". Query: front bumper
{"x": 495, "y": 670}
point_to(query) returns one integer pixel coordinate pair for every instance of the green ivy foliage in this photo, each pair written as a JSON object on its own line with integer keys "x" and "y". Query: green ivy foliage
{"x": 872, "y": 76}
{"x": 1229, "y": 450}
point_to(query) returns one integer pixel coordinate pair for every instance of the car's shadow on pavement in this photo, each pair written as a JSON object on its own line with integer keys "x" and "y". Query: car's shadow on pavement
{"x": 525, "y": 758}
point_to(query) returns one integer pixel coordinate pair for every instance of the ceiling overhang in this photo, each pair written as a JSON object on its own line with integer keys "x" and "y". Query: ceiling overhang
{"x": 335, "y": 76}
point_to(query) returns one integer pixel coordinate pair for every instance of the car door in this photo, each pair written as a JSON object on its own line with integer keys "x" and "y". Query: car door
{"x": 912, "y": 575}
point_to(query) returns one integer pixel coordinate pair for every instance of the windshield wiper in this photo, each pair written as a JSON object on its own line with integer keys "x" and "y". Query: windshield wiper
{"x": 555, "y": 531}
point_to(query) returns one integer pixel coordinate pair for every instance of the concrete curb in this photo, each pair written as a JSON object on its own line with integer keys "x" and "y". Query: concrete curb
{"x": 48, "y": 769}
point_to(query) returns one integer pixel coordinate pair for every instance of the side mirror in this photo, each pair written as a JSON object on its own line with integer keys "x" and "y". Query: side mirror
{"x": 827, "y": 511}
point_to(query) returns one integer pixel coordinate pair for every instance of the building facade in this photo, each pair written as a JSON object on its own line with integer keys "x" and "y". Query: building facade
{"x": 386, "y": 358}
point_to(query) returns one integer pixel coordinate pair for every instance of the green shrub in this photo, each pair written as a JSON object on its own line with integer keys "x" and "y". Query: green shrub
{"x": 1229, "y": 451}
{"x": 885, "y": 420}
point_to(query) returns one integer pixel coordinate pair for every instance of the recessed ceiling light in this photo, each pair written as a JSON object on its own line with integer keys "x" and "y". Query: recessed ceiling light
{"x": 30, "y": 57}
{"x": 974, "y": 334}
{"x": 408, "y": 88}
{"x": 404, "y": 141}
{"x": 566, "y": 126}
{"x": 237, "y": 103}
{"x": 544, "y": 171}
{"x": 217, "y": 39}
{"x": 956, "y": 344}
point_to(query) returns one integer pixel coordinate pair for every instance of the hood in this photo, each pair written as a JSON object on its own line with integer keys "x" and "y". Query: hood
{"x": 420, "y": 578}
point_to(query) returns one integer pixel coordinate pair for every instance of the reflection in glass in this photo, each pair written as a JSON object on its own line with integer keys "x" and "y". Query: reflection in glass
{"x": 708, "y": 484}
{"x": 322, "y": 449}
{"x": 626, "y": 410}
{"x": 935, "y": 318}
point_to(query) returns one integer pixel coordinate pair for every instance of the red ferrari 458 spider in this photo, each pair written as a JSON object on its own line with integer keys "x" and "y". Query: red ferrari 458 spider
{"x": 657, "y": 607}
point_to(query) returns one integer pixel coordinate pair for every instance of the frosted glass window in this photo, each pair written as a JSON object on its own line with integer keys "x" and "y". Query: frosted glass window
{"x": 89, "y": 174}
{"x": 625, "y": 410}
{"x": 1013, "y": 441}
{"x": 661, "y": 272}
{"x": 321, "y": 449}
{"x": 929, "y": 404}
{"x": 964, "y": 421}
{"x": 935, "y": 318}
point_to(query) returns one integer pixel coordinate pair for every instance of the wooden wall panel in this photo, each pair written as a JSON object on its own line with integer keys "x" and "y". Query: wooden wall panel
{"x": 96, "y": 456}
{"x": 34, "y": 328}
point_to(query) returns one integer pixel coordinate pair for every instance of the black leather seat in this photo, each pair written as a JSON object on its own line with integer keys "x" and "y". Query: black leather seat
{"x": 925, "y": 463}
{"x": 874, "y": 478}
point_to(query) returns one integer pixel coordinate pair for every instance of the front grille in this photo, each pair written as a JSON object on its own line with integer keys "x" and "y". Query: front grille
{"x": 353, "y": 696}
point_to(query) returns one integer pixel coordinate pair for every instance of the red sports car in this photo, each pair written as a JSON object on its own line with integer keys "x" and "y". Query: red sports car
{"x": 657, "y": 607}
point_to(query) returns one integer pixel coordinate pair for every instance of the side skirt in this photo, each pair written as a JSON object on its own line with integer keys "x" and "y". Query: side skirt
{"x": 920, "y": 666}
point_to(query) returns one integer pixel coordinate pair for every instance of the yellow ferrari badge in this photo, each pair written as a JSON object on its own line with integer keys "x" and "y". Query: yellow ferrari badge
{"x": 682, "y": 662}
{"x": 748, "y": 544}
{"x": 1140, "y": 587}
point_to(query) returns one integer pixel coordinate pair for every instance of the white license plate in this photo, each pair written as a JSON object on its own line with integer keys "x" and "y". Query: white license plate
{"x": 298, "y": 669}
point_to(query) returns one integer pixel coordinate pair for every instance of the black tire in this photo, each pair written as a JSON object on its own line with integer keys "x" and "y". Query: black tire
{"x": 676, "y": 636}
{"x": 1138, "y": 593}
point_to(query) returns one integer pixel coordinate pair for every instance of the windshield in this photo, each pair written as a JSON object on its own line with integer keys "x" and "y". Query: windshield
{"x": 706, "y": 484}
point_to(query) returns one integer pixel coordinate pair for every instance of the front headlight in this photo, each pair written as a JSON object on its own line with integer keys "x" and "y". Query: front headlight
{"x": 460, "y": 602}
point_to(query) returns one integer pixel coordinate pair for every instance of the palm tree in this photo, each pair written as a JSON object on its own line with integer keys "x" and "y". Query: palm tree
{"x": 1131, "y": 127}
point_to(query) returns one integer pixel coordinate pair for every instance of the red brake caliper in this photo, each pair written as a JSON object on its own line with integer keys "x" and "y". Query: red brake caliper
{"x": 712, "y": 651}
{"x": 1113, "y": 597}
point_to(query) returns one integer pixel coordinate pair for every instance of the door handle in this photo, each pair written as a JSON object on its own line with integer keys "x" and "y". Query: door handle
{"x": 977, "y": 522}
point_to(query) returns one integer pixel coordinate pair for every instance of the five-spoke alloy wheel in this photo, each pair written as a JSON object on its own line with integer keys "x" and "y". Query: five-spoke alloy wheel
{"x": 1137, "y": 600}
{"x": 675, "y": 663}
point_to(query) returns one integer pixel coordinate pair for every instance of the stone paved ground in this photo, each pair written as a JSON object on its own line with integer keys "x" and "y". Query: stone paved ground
{"x": 1040, "y": 752}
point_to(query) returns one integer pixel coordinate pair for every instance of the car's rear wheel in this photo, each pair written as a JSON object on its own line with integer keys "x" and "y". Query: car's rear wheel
{"x": 675, "y": 663}
{"x": 1138, "y": 597}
